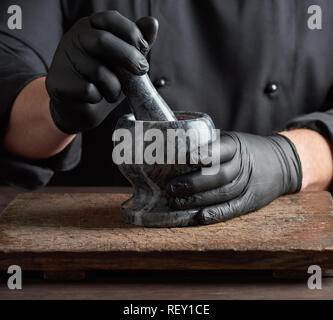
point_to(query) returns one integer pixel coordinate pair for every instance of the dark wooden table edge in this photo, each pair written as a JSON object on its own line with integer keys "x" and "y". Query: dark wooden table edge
{"x": 158, "y": 261}
{"x": 177, "y": 260}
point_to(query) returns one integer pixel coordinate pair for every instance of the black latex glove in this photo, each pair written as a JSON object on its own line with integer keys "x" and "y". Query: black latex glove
{"x": 81, "y": 82}
{"x": 253, "y": 171}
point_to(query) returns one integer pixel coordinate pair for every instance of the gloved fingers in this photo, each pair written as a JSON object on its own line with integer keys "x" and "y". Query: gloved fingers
{"x": 225, "y": 211}
{"x": 113, "y": 51}
{"x": 83, "y": 116}
{"x": 105, "y": 80}
{"x": 211, "y": 197}
{"x": 120, "y": 26}
{"x": 220, "y": 150}
{"x": 72, "y": 87}
{"x": 107, "y": 83}
{"x": 197, "y": 181}
{"x": 149, "y": 28}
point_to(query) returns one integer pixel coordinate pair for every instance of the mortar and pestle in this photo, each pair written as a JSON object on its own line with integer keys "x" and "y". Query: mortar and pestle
{"x": 149, "y": 204}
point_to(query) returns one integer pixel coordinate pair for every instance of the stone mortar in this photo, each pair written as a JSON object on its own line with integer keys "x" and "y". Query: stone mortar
{"x": 149, "y": 204}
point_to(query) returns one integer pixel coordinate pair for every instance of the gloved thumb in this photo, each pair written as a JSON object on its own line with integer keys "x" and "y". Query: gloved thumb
{"x": 149, "y": 29}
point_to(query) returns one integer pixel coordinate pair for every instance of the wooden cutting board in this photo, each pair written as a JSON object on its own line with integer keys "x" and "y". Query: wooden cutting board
{"x": 68, "y": 232}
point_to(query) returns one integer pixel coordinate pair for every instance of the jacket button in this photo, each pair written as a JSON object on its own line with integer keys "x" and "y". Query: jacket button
{"x": 160, "y": 83}
{"x": 271, "y": 89}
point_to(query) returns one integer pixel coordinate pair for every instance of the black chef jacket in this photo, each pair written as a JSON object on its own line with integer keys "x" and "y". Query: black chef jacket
{"x": 253, "y": 66}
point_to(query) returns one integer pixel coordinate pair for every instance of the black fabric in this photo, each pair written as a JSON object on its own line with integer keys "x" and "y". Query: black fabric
{"x": 215, "y": 56}
{"x": 29, "y": 175}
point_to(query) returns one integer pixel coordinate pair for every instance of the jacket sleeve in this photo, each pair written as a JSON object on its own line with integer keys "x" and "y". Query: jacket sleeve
{"x": 25, "y": 55}
{"x": 321, "y": 121}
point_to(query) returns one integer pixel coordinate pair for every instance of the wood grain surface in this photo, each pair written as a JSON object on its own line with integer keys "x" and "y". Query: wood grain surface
{"x": 84, "y": 232}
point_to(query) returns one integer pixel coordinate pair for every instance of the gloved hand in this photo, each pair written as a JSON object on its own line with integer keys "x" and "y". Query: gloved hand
{"x": 81, "y": 82}
{"x": 253, "y": 171}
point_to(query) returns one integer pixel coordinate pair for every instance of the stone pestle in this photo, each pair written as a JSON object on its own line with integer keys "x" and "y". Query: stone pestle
{"x": 149, "y": 205}
{"x": 145, "y": 102}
